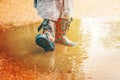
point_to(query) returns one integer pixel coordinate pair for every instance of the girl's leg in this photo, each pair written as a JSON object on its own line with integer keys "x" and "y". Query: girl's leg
{"x": 47, "y": 9}
{"x": 63, "y": 24}
{"x": 47, "y": 38}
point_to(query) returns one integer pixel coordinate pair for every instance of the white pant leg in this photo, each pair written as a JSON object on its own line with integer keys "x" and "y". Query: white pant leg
{"x": 67, "y": 9}
{"x": 53, "y": 9}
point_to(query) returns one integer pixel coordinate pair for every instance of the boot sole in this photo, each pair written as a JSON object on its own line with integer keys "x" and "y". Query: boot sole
{"x": 44, "y": 43}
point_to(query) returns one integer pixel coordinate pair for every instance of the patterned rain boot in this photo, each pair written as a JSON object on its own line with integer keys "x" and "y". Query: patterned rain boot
{"x": 46, "y": 39}
{"x": 62, "y": 26}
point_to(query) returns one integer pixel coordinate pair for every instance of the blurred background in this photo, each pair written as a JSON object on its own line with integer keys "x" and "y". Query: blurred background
{"x": 23, "y": 11}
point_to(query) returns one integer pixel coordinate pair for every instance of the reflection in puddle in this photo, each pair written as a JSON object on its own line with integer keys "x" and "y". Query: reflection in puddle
{"x": 21, "y": 58}
{"x": 105, "y": 32}
{"x": 17, "y": 46}
{"x": 113, "y": 39}
{"x": 103, "y": 50}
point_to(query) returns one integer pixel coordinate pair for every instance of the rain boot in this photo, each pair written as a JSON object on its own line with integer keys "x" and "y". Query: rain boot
{"x": 46, "y": 39}
{"x": 62, "y": 26}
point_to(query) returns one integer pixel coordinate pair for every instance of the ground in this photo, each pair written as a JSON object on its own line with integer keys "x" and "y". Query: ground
{"x": 96, "y": 29}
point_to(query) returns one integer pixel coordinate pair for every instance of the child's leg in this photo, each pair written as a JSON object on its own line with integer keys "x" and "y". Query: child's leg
{"x": 62, "y": 26}
{"x": 47, "y": 38}
{"x": 67, "y": 9}
{"x": 63, "y": 23}
{"x": 48, "y": 9}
